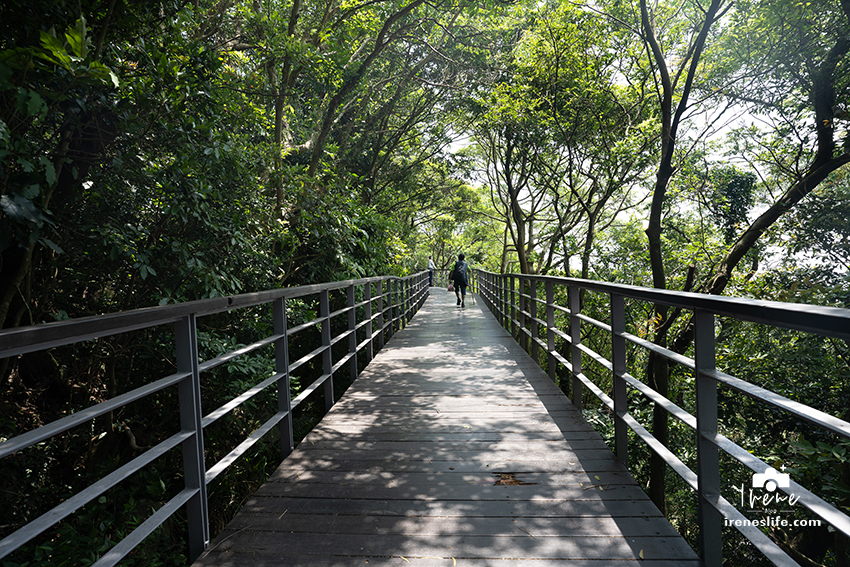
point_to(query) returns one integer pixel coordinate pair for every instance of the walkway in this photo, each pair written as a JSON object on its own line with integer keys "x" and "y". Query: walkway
{"x": 452, "y": 448}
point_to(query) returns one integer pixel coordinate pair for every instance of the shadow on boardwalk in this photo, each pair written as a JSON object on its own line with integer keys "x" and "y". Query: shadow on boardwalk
{"x": 452, "y": 448}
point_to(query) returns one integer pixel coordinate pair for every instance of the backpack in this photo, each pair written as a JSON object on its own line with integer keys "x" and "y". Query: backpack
{"x": 460, "y": 272}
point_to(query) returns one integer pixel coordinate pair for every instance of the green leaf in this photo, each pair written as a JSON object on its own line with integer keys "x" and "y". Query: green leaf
{"x": 20, "y": 209}
{"x": 31, "y": 191}
{"x": 55, "y": 50}
{"x": 26, "y": 164}
{"x": 104, "y": 73}
{"x": 35, "y": 104}
{"x": 49, "y": 170}
{"x": 51, "y": 43}
{"x": 76, "y": 37}
{"x": 52, "y": 245}
{"x": 803, "y": 447}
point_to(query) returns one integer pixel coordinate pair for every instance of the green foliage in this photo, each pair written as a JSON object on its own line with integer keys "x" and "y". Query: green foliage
{"x": 43, "y": 90}
{"x": 153, "y": 153}
{"x": 816, "y": 233}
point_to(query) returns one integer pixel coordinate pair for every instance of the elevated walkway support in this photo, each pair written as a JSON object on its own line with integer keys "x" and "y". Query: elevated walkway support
{"x": 452, "y": 448}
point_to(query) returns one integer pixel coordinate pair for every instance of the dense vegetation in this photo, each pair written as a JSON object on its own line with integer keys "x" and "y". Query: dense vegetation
{"x": 164, "y": 151}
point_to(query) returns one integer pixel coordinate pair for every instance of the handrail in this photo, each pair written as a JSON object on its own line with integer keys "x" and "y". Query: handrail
{"x": 512, "y": 298}
{"x": 388, "y": 303}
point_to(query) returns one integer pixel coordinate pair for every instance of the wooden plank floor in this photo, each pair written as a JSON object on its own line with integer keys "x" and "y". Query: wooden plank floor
{"x": 452, "y": 448}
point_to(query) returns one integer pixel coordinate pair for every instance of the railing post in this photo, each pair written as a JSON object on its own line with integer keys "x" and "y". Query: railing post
{"x": 485, "y": 283}
{"x": 194, "y": 466}
{"x": 403, "y": 284}
{"x": 551, "y": 363}
{"x": 618, "y": 361}
{"x": 284, "y": 396}
{"x": 492, "y": 297}
{"x": 388, "y": 292}
{"x": 367, "y": 314}
{"x": 404, "y": 312}
{"x": 513, "y": 306}
{"x": 327, "y": 358}
{"x": 708, "y": 462}
{"x": 380, "y": 307}
{"x": 398, "y": 300}
{"x": 503, "y": 301}
{"x": 411, "y": 294}
{"x": 414, "y": 293}
{"x": 352, "y": 332}
{"x": 482, "y": 289}
{"x": 410, "y": 287}
{"x": 393, "y": 306}
{"x": 523, "y": 338}
{"x": 575, "y": 341}
{"x": 535, "y": 326}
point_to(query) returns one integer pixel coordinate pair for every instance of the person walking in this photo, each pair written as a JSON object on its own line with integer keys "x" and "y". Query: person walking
{"x": 431, "y": 268}
{"x": 460, "y": 275}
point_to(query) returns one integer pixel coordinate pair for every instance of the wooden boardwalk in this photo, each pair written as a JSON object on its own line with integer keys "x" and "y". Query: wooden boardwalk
{"x": 453, "y": 448}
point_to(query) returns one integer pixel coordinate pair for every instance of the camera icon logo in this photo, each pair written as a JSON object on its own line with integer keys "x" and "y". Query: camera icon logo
{"x": 771, "y": 479}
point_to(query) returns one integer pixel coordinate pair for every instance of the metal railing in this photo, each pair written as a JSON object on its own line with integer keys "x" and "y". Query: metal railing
{"x": 514, "y": 301}
{"x": 387, "y": 304}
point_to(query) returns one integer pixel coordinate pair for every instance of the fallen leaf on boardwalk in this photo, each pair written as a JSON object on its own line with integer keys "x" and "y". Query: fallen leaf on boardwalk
{"x": 510, "y": 479}
{"x": 454, "y": 561}
{"x": 640, "y": 554}
{"x": 405, "y": 558}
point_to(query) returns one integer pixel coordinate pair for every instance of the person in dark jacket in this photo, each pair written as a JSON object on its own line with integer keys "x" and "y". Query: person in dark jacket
{"x": 460, "y": 276}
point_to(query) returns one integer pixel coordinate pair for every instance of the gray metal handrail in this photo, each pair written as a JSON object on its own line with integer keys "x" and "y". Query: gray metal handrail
{"x": 387, "y": 303}
{"x": 512, "y": 298}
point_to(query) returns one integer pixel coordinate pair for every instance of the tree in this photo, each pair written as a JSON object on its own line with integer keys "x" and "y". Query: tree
{"x": 562, "y": 142}
{"x": 797, "y": 59}
{"x": 685, "y": 43}
{"x": 602, "y": 138}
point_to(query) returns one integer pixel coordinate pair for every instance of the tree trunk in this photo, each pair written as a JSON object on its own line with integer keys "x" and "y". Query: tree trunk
{"x": 658, "y": 371}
